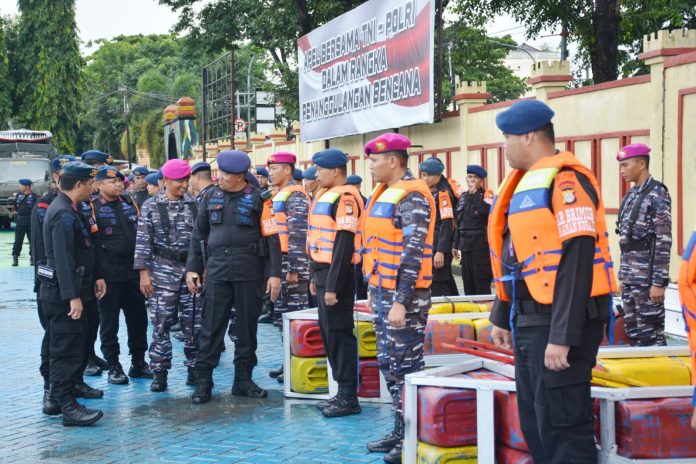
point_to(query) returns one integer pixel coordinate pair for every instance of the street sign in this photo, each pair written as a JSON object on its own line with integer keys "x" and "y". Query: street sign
{"x": 240, "y": 125}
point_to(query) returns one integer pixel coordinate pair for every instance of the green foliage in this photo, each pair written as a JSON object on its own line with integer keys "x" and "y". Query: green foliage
{"x": 48, "y": 69}
{"x": 5, "y": 82}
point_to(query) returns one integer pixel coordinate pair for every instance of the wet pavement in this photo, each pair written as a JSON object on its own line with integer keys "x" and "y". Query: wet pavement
{"x": 141, "y": 427}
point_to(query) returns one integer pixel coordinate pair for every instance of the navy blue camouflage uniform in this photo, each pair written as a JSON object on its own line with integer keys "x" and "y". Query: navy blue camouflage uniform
{"x": 163, "y": 251}
{"x": 645, "y": 253}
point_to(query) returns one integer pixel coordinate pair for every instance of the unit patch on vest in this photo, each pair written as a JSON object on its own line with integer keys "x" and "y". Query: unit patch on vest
{"x": 573, "y": 208}
{"x": 568, "y": 192}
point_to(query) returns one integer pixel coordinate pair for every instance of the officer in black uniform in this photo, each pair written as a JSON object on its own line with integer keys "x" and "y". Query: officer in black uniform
{"x": 23, "y": 204}
{"x": 66, "y": 281}
{"x": 140, "y": 193}
{"x": 241, "y": 245}
{"x": 361, "y": 290}
{"x": 201, "y": 180}
{"x": 471, "y": 240}
{"x": 96, "y": 158}
{"x": 116, "y": 218}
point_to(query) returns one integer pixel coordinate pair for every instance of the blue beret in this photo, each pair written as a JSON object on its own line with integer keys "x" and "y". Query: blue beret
{"x": 297, "y": 174}
{"x": 310, "y": 173}
{"x": 109, "y": 172}
{"x": 79, "y": 170}
{"x": 261, "y": 171}
{"x": 141, "y": 171}
{"x": 152, "y": 178}
{"x": 26, "y": 182}
{"x": 330, "y": 158}
{"x": 354, "y": 180}
{"x": 476, "y": 170}
{"x": 233, "y": 161}
{"x": 250, "y": 178}
{"x": 201, "y": 166}
{"x": 131, "y": 177}
{"x": 58, "y": 162}
{"x": 432, "y": 166}
{"x": 96, "y": 156}
{"x": 523, "y": 117}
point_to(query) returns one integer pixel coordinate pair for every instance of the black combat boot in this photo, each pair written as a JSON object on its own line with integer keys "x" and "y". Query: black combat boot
{"x": 50, "y": 405}
{"x": 175, "y": 328}
{"x": 139, "y": 368}
{"x": 92, "y": 368}
{"x": 274, "y": 373}
{"x": 390, "y": 440}
{"x": 82, "y": 390}
{"x": 394, "y": 456}
{"x": 116, "y": 374}
{"x": 179, "y": 336}
{"x": 323, "y": 404}
{"x": 243, "y": 385}
{"x": 266, "y": 316}
{"x": 159, "y": 381}
{"x": 15, "y": 260}
{"x": 75, "y": 414}
{"x": 191, "y": 377}
{"x": 103, "y": 365}
{"x": 346, "y": 403}
{"x": 204, "y": 386}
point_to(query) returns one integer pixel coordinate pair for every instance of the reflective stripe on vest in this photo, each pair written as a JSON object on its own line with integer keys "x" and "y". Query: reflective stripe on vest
{"x": 383, "y": 243}
{"x": 321, "y": 234}
{"x": 279, "y": 215}
{"x": 524, "y": 202}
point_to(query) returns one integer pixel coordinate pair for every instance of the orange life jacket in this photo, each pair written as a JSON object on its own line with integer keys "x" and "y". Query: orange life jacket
{"x": 456, "y": 187}
{"x": 383, "y": 243}
{"x": 687, "y": 294}
{"x": 322, "y": 226}
{"x": 268, "y": 224}
{"x": 279, "y": 215}
{"x": 523, "y": 203}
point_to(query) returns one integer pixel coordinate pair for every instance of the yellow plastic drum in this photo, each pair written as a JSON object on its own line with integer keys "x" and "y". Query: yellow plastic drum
{"x": 309, "y": 375}
{"x": 450, "y": 308}
{"x": 658, "y": 371}
{"x": 431, "y": 454}
{"x": 367, "y": 339}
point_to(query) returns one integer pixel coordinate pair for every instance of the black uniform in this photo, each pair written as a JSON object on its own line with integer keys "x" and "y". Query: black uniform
{"x": 116, "y": 223}
{"x": 38, "y": 215}
{"x": 141, "y": 196}
{"x": 443, "y": 240}
{"x": 336, "y": 322}
{"x": 70, "y": 254}
{"x": 472, "y": 242}
{"x": 230, "y": 223}
{"x": 23, "y": 204}
{"x": 555, "y": 407}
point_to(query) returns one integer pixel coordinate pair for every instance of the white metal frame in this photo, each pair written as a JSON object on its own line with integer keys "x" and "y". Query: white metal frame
{"x": 485, "y": 389}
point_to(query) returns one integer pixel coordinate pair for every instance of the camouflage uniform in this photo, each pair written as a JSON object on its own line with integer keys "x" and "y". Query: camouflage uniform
{"x": 294, "y": 297}
{"x": 645, "y": 253}
{"x": 164, "y": 255}
{"x": 400, "y": 350}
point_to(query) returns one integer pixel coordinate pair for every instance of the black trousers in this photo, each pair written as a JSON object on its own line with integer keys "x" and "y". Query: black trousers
{"x": 124, "y": 295}
{"x": 21, "y": 231}
{"x": 218, "y": 298}
{"x": 443, "y": 281}
{"x": 477, "y": 273}
{"x": 90, "y": 317}
{"x": 44, "y": 368}
{"x": 336, "y": 327}
{"x": 66, "y": 347}
{"x": 555, "y": 408}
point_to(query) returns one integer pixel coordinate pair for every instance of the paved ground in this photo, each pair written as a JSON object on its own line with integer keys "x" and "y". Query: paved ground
{"x": 140, "y": 426}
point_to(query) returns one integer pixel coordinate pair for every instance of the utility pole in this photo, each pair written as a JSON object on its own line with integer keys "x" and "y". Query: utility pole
{"x": 248, "y": 99}
{"x": 205, "y": 109}
{"x": 126, "y": 115}
{"x": 232, "y": 96}
{"x": 564, "y": 41}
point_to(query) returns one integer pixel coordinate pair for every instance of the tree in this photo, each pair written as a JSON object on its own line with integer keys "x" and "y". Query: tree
{"x": 600, "y": 27}
{"x": 49, "y": 64}
{"x": 5, "y": 82}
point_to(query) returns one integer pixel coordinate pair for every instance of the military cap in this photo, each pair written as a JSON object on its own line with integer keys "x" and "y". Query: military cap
{"x": 176, "y": 169}
{"x": 281, "y": 157}
{"x": 96, "y": 156}
{"x": 109, "y": 172}
{"x": 432, "y": 166}
{"x": 202, "y": 166}
{"x": 58, "y": 162}
{"x": 310, "y": 173}
{"x": 330, "y": 158}
{"x": 25, "y": 182}
{"x": 386, "y": 143}
{"x": 250, "y": 178}
{"x": 354, "y": 180}
{"x": 233, "y": 161}
{"x": 633, "y": 150}
{"x": 476, "y": 170}
{"x": 261, "y": 171}
{"x": 79, "y": 170}
{"x": 141, "y": 171}
{"x": 152, "y": 178}
{"x": 523, "y": 117}
{"x": 297, "y": 174}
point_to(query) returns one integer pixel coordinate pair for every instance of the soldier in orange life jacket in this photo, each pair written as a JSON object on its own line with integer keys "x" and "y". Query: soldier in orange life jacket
{"x": 290, "y": 210}
{"x": 334, "y": 243}
{"x": 687, "y": 294}
{"x": 553, "y": 275}
{"x": 397, "y": 236}
{"x": 445, "y": 195}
